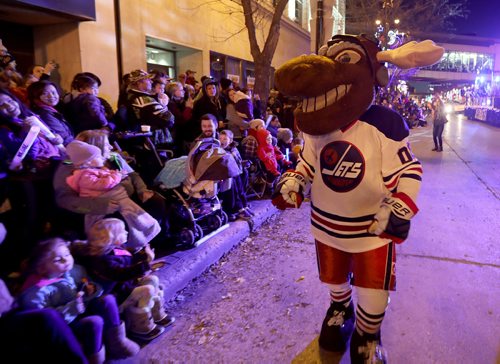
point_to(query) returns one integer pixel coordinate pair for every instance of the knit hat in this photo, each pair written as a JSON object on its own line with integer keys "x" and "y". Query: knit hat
{"x": 138, "y": 75}
{"x": 255, "y": 123}
{"x": 80, "y": 152}
{"x": 284, "y": 134}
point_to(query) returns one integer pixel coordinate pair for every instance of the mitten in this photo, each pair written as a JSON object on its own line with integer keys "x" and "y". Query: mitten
{"x": 289, "y": 190}
{"x": 392, "y": 221}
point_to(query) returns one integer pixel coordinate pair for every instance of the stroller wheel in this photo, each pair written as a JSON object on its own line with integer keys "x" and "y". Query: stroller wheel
{"x": 198, "y": 231}
{"x": 186, "y": 237}
{"x": 214, "y": 222}
{"x": 224, "y": 218}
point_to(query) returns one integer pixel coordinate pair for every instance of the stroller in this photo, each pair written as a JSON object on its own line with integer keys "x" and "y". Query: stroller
{"x": 191, "y": 185}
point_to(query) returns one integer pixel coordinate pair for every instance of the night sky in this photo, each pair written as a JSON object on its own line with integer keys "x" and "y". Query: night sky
{"x": 483, "y": 20}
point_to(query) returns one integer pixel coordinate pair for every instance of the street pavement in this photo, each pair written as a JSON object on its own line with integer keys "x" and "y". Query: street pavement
{"x": 446, "y": 307}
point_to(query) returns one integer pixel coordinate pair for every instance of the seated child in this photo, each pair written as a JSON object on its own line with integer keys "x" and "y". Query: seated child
{"x": 249, "y": 144}
{"x": 91, "y": 179}
{"x": 268, "y": 154}
{"x": 285, "y": 137}
{"x": 127, "y": 276}
{"x": 54, "y": 281}
{"x": 234, "y": 201}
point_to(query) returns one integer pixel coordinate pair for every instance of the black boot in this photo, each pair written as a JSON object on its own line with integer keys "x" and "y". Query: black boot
{"x": 367, "y": 349}
{"x": 337, "y": 327}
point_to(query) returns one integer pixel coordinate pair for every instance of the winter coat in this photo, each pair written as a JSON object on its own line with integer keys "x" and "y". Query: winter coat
{"x": 266, "y": 152}
{"x": 206, "y": 105}
{"x": 55, "y": 121}
{"x": 249, "y": 145}
{"x": 85, "y": 112}
{"x": 439, "y": 114}
{"x": 144, "y": 109}
{"x": 141, "y": 226}
{"x": 243, "y": 105}
{"x": 182, "y": 115}
{"x": 117, "y": 271}
{"x": 12, "y": 135}
{"x": 236, "y": 123}
{"x": 58, "y": 293}
{"x": 273, "y": 130}
{"x": 93, "y": 182}
{"x": 232, "y": 148}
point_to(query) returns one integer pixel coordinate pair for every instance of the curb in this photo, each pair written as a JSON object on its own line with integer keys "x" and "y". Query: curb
{"x": 184, "y": 266}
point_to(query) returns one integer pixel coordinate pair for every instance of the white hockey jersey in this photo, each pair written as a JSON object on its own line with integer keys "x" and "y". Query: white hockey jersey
{"x": 351, "y": 171}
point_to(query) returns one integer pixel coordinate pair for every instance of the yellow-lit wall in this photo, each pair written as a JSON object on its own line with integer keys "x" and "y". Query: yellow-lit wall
{"x": 78, "y": 47}
{"x": 91, "y": 46}
{"x": 194, "y": 23}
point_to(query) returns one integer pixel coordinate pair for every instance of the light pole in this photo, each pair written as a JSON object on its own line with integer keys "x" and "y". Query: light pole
{"x": 319, "y": 25}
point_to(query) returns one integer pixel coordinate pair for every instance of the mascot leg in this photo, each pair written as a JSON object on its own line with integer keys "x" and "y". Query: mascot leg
{"x": 374, "y": 276}
{"x": 366, "y": 343}
{"x": 334, "y": 268}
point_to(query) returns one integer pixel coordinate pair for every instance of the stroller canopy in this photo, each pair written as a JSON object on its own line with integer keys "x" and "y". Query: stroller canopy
{"x": 207, "y": 160}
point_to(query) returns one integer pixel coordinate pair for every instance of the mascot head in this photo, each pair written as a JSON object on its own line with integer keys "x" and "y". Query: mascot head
{"x": 338, "y": 85}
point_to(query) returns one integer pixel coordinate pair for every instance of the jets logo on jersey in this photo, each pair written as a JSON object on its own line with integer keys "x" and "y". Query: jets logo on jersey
{"x": 342, "y": 166}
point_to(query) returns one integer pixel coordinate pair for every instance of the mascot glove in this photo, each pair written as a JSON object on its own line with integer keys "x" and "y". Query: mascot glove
{"x": 289, "y": 190}
{"x": 392, "y": 221}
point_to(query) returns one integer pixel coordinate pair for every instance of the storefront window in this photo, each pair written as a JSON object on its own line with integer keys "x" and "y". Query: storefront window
{"x": 161, "y": 59}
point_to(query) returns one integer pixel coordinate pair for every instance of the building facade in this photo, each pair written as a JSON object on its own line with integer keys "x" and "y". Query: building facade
{"x": 113, "y": 37}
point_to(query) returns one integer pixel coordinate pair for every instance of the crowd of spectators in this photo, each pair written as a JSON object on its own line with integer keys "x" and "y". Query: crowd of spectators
{"x": 415, "y": 112}
{"x": 74, "y": 169}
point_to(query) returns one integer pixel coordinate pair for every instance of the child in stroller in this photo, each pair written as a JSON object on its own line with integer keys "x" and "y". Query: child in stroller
{"x": 191, "y": 185}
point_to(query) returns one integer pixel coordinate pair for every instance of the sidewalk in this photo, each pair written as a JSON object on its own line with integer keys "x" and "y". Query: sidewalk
{"x": 183, "y": 266}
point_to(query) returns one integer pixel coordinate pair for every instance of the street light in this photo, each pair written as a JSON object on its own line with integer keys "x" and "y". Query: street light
{"x": 387, "y": 35}
{"x": 387, "y": 24}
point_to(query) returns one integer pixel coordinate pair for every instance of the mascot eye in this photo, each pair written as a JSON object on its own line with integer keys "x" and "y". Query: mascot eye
{"x": 348, "y": 56}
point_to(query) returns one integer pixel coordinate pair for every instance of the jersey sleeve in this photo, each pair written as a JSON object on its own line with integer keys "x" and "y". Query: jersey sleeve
{"x": 401, "y": 170}
{"x": 307, "y": 159}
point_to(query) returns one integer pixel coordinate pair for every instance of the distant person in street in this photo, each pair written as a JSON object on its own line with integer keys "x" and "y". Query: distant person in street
{"x": 438, "y": 121}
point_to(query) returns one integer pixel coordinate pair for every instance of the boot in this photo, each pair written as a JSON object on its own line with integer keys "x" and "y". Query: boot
{"x": 160, "y": 317}
{"x": 118, "y": 345}
{"x": 367, "y": 348}
{"x": 141, "y": 325}
{"x": 99, "y": 357}
{"x": 337, "y": 327}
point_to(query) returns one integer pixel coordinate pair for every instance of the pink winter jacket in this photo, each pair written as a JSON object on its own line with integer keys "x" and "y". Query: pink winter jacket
{"x": 93, "y": 182}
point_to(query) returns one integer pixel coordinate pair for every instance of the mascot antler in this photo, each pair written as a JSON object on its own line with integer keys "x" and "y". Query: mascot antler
{"x": 413, "y": 54}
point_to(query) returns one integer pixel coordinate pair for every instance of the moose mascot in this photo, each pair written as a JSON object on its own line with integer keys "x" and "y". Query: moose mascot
{"x": 363, "y": 179}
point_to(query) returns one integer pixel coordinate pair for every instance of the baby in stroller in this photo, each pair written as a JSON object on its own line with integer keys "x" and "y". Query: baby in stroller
{"x": 192, "y": 183}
